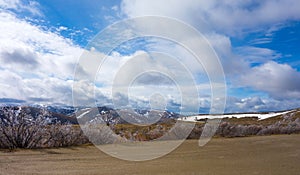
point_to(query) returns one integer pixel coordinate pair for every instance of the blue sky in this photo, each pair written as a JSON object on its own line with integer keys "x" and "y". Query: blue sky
{"x": 257, "y": 43}
{"x": 80, "y": 15}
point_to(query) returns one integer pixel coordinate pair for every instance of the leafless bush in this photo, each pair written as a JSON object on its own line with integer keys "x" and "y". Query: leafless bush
{"x": 227, "y": 129}
{"x": 196, "y": 132}
{"x": 288, "y": 125}
{"x": 291, "y": 127}
{"x": 252, "y": 130}
{"x": 62, "y": 135}
{"x": 20, "y": 129}
{"x": 101, "y": 134}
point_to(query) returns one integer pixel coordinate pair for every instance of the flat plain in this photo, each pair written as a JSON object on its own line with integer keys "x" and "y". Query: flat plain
{"x": 265, "y": 155}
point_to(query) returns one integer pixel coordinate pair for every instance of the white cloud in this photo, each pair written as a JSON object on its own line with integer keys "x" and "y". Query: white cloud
{"x": 9, "y": 4}
{"x": 10, "y": 84}
{"x": 62, "y": 28}
{"x": 257, "y": 55}
{"x": 257, "y": 104}
{"x": 19, "y": 5}
{"x": 281, "y": 81}
{"x": 24, "y": 43}
{"x": 36, "y": 64}
{"x": 229, "y": 16}
{"x": 253, "y": 104}
{"x": 220, "y": 20}
{"x": 19, "y": 58}
{"x": 193, "y": 12}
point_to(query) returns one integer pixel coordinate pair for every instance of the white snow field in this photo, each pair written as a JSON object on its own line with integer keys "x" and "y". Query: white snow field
{"x": 261, "y": 116}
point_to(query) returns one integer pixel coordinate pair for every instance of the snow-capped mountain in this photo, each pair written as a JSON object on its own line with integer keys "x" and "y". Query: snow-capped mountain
{"x": 59, "y": 109}
{"x": 107, "y": 115}
{"x": 34, "y": 112}
{"x": 116, "y": 116}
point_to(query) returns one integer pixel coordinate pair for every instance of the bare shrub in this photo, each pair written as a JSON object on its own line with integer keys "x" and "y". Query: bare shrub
{"x": 63, "y": 135}
{"x": 227, "y": 129}
{"x": 21, "y": 129}
{"x": 291, "y": 127}
{"x": 196, "y": 132}
{"x": 252, "y": 130}
{"x": 101, "y": 134}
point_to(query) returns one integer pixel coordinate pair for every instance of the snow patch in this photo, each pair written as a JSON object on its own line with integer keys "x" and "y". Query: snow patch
{"x": 260, "y": 116}
{"x": 84, "y": 113}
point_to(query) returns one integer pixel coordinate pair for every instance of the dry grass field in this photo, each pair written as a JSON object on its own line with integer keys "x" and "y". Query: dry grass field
{"x": 265, "y": 155}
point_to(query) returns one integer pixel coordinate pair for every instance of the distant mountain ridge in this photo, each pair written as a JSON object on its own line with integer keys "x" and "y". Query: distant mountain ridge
{"x": 120, "y": 116}
{"x": 72, "y": 115}
{"x": 50, "y": 116}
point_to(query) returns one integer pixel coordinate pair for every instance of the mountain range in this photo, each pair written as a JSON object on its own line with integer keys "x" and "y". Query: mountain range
{"x": 72, "y": 115}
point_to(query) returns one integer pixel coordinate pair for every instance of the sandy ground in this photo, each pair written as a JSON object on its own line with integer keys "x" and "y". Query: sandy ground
{"x": 265, "y": 155}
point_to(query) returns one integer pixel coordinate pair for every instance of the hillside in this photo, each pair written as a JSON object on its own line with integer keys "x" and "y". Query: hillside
{"x": 279, "y": 123}
{"x": 152, "y": 124}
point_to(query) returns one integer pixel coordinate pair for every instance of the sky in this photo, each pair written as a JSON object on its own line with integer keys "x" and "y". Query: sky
{"x": 257, "y": 43}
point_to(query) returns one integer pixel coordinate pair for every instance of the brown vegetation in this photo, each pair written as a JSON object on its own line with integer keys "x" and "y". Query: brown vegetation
{"x": 25, "y": 130}
{"x": 20, "y": 129}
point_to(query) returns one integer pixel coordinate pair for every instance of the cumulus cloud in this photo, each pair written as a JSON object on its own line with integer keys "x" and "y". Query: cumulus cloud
{"x": 219, "y": 21}
{"x": 153, "y": 78}
{"x": 120, "y": 77}
{"x": 281, "y": 81}
{"x": 249, "y": 104}
{"x": 258, "y": 104}
{"x": 18, "y": 5}
{"x": 21, "y": 57}
{"x": 227, "y": 16}
{"x": 23, "y": 41}
{"x": 257, "y": 55}
{"x": 205, "y": 16}
{"x": 36, "y": 64}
